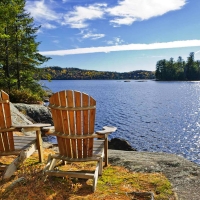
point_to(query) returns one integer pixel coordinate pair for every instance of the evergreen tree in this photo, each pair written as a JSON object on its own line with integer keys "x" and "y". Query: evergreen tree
{"x": 7, "y": 12}
{"x": 192, "y": 68}
{"x": 170, "y": 70}
{"x": 19, "y": 49}
{"x": 161, "y": 70}
{"x": 180, "y": 70}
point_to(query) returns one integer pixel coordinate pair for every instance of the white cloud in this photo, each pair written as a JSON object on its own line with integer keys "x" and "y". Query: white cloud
{"x": 39, "y": 31}
{"x": 125, "y": 21}
{"x": 86, "y": 34}
{"x": 40, "y": 11}
{"x": 197, "y": 52}
{"x": 93, "y": 36}
{"x": 129, "y": 47}
{"x": 125, "y": 12}
{"x": 78, "y": 17}
{"x": 48, "y": 26}
{"x": 129, "y": 11}
{"x": 56, "y": 41}
{"x": 115, "y": 41}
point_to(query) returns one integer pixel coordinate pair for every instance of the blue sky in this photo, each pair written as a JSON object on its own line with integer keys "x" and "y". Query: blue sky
{"x": 116, "y": 35}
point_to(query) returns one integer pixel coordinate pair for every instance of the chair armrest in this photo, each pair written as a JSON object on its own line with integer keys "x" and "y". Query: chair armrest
{"x": 107, "y": 130}
{"x": 48, "y": 130}
{"x": 30, "y": 127}
{"x": 8, "y": 129}
{"x": 104, "y": 134}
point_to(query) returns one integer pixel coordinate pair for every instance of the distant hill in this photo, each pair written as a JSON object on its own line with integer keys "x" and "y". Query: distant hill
{"x": 58, "y": 73}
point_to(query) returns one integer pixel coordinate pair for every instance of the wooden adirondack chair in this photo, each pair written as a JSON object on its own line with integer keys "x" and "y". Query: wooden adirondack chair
{"x": 73, "y": 115}
{"x": 10, "y": 144}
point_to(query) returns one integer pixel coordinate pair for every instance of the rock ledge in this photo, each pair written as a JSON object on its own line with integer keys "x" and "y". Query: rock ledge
{"x": 183, "y": 174}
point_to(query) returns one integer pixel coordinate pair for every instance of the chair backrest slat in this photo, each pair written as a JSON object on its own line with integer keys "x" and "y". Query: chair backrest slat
{"x": 73, "y": 122}
{"x": 66, "y": 144}
{"x": 70, "y": 103}
{"x": 6, "y": 138}
{"x": 56, "y": 115}
{"x": 2, "y": 125}
{"x": 91, "y": 125}
{"x": 85, "y": 124}
{"x": 77, "y": 96}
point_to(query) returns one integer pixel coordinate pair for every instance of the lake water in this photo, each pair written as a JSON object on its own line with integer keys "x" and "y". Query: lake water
{"x": 152, "y": 116}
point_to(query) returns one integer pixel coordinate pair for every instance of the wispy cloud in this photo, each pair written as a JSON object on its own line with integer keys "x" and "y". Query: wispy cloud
{"x": 78, "y": 17}
{"x": 56, "y": 41}
{"x": 125, "y": 12}
{"x": 197, "y": 52}
{"x": 129, "y": 47}
{"x": 93, "y": 36}
{"x": 87, "y": 34}
{"x": 129, "y": 11}
{"x": 40, "y": 11}
{"x": 48, "y": 26}
{"x": 115, "y": 41}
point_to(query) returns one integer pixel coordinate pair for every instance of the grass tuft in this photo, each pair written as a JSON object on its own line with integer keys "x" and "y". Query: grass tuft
{"x": 115, "y": 183}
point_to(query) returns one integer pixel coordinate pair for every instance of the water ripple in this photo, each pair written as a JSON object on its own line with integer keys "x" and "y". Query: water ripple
{"x": 152, "y": 116}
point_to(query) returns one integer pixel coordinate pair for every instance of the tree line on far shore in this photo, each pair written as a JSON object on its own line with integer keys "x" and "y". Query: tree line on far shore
{"x": 180, "y": 70}
{"x": 58, "y": 73}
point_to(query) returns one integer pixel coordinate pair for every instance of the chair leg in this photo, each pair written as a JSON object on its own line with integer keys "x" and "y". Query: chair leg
{"x": 12, "y": 167}
{"x": 106, "y": 151}
{"x": 39, "y": 146}
{"x": 100, "y": 166}
{"x": 48, "y": 164}
{"x": 53, "y": 163}
{"x": 95, "y": 178}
